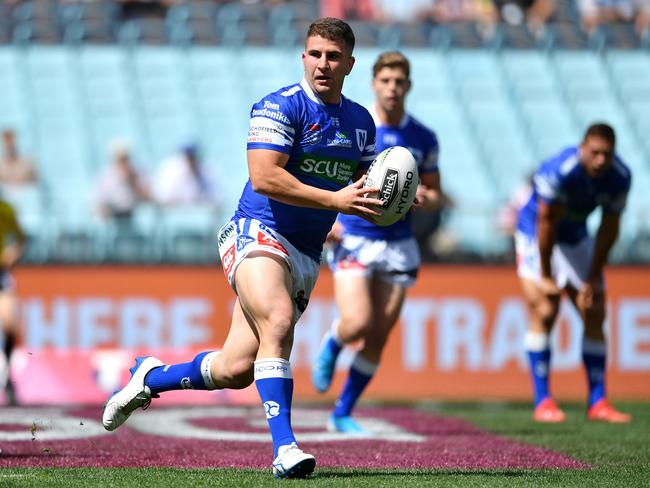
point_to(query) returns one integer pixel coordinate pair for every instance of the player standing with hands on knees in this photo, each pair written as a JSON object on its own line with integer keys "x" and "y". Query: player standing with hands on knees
{"x": 306, "y": 141}
{"x": 555, "y": 254}
{"x": 373, "y": 266}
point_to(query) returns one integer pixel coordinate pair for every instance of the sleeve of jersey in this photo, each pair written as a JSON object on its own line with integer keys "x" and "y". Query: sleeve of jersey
{"x": 272, "y": 125}
{"x": 548, "y": 185}
{"x": 369, "y": 152}
{"x": 430, "y": 162}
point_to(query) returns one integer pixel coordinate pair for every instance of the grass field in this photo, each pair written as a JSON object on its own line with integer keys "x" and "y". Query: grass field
{"x": 619, "y": 455}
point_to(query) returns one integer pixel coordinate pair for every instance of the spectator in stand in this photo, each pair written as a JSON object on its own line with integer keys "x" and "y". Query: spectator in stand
{"x": 398, "y": 11}
{"x": 120, "y": 187}
{"x": 534, "y": 13}
{"x": 349, "y": 9}
{"x": 15, "y": 170}
{"x": 596, "y": 12}
{"x": 144, "y": 9}
{"x": 184, "y": 179}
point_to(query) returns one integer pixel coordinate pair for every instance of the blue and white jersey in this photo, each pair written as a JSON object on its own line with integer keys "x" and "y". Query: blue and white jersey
{"x": 326, "y": 144}
{"x": 563, "y": 180}
{"x": 423, "y": 144}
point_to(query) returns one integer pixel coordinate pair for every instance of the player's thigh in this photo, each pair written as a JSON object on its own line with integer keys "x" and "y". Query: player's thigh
{"x": 388, "y": 299}
{"x": 264, "y": 290}
{"x": 240, "y": 348}
{"x": 543, "y": 309}
{"x": 8, "y": 309}
{"x": 354, "y": 302}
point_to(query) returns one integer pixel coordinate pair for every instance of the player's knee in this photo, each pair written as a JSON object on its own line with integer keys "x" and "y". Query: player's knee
{"x": 355, "y": 326}
{"x": 278, "y": 328}
{"x": 547, "y": 313}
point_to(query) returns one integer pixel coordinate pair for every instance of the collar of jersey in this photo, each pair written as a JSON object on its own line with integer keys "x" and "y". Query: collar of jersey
{"x": 373, "y": 111}
{"x": 312, "y": 96}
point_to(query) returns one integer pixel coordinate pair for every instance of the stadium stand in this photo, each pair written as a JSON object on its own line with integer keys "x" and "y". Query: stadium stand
{"x": 73, "y": 77}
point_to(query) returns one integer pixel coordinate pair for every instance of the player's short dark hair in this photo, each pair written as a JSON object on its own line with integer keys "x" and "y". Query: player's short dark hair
{"x": 602, "y": 130}
{"x": 392, "y": 59}
{"x": 333, "y": 30}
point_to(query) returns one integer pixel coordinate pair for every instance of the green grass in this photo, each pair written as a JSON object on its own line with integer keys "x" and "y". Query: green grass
{"x": 619, "y": 456}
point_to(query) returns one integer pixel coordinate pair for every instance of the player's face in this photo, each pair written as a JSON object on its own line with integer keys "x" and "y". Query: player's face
{"x": 326, "y": 63}
{"x": 391, "y": 86}
{"x": 596, "y": 155}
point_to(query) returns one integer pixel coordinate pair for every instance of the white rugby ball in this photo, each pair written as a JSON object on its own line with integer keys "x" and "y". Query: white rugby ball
{"x": 395, "y": 172}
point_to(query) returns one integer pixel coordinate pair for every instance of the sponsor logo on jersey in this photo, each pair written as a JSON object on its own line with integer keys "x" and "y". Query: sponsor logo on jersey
{"x": 362, "y": 137}
{"x": 274, "y": 114}
{"x": 335, "y": 170}
{"x": 341, "y": 139}
{"x": 313, "y": 135}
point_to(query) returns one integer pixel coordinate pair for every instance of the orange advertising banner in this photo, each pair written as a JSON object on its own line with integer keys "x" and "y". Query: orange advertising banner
{"x": 460, "y": 335}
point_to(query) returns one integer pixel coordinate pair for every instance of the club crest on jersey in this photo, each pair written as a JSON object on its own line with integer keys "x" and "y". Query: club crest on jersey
{"x": 313, "y": 135}
{"x": 362, "y": 137}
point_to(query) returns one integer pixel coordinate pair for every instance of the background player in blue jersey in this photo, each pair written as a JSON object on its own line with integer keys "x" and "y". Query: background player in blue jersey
{"x": 306, "y": 141}
{"x": 373, "y": 265}
{"x": 555, "y": 253}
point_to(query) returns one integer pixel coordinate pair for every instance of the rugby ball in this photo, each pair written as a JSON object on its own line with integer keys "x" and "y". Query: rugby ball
{"x": 395, "y": 172}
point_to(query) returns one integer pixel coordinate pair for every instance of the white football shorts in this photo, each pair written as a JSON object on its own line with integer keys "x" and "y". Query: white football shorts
{"x": 570, "y": 263}
{"x": 238, "y": 238}
{"x": 391, "y": 261}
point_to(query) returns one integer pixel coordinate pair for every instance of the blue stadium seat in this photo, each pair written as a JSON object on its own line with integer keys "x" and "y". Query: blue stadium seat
{"x": 189, "y": 233}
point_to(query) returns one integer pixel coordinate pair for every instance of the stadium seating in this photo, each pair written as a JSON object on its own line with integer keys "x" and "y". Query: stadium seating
{"x": 497, "y": 114}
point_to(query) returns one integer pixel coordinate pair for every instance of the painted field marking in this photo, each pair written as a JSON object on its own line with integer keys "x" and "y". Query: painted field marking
{"x": 53, "y": 424}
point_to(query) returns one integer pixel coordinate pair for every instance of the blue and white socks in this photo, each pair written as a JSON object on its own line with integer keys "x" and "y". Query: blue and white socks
{"x": 539, "y": 355}
{"x": 594, "y": 355}
{"x": 361, "y": 372}
{"x": 194, "y": 375}
{"x": 274, "y": 383}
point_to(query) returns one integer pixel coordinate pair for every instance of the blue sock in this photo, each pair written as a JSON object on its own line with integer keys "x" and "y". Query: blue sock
{"x": 361, "y": 372}
{"x": 194, "y": 375}
{"x": 539, "y": 356}
{"x": 274, "y": 383}
{"x": 594, "y": 358}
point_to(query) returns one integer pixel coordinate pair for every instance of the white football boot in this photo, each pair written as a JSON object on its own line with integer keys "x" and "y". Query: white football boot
{"x": 134, "y": 395}
{"x": 293, "y": 463}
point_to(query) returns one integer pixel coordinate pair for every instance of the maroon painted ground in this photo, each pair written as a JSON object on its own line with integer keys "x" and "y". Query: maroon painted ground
{"x": 449, "y": 443}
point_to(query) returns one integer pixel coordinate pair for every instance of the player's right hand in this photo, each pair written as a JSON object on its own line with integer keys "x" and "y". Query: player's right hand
{"x": 354, "y": 199}
{"x": 548, "y": 287}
